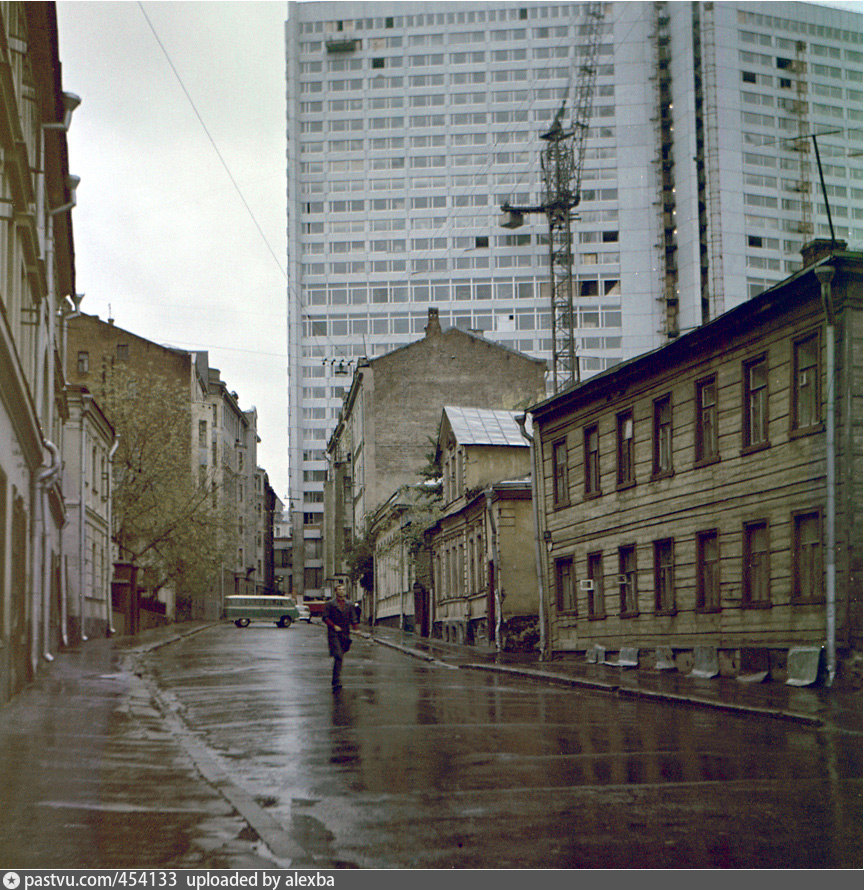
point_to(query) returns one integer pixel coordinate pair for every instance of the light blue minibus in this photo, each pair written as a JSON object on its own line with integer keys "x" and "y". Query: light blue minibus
{"x": 282, "y": 610}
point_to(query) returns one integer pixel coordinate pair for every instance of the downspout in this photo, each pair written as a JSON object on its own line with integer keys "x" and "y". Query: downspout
{"x": 65, "y": 316}
{"x": 496, "y": 570}
{"x": 825, "y": 275}
{"x": 82, "y": 512}
{"x": 46, "y": 479}
{"x": 109, "y": 615}
{"x": 538, "y": 551}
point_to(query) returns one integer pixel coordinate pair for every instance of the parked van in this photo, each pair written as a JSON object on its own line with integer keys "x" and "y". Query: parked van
{"x": 242, "y": 609}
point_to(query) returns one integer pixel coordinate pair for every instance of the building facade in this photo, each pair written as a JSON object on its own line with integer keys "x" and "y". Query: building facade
{"x": 389, "y": 419}
{"x": 218, "y": 445}
{"x": 409, "y": 124}
{"x": 89, "y": 445}
{"x": 708, "y": 494}
{"x": 482, "y": 546}
{"x": 37, "y": 275}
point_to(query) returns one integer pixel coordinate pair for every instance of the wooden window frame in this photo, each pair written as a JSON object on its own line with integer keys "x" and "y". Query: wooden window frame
{"x": 625, "y": 481}
{"x": 661, "y": 608}
{"x": 748, "y": 445}
{"x": 560, "y": 475}
{"x": 560, "y": 564}
{"x": 797, "y": 517}
{"x": 747, "y": 600}
{"x": 623, "y": 552}
{"x": 596, "y": 594}
{"x": 592, "y": 461}
{"x": 702, "y": 605}
{"x": 796, "y": 428}
{"x": 704, "y": 457}
{"x": 660, "y": 403}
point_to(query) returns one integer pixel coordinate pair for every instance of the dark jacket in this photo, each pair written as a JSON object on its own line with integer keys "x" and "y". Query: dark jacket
{"x": 339, "y": 641}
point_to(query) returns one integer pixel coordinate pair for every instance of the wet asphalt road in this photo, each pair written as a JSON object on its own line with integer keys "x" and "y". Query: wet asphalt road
{"x": 420, "y": 765}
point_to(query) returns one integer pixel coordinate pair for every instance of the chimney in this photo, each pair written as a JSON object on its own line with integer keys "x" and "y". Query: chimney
{"x": 433, "y": 326}
{"x": 819, "y": 248}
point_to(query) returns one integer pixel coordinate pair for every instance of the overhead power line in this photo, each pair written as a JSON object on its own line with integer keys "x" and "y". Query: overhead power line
{"x": 212, "y": 141}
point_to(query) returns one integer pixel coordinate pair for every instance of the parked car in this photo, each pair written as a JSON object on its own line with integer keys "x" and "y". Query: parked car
{"x": 303, "y": 613}
{"x": 243, "y": 609}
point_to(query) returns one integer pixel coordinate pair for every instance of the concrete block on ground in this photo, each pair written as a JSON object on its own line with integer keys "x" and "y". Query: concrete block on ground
{"x": 705, "y": 662}
{"x": 803, "y": 666}
{"x": 596, "y": 654}
{"x": 628, "y": 657}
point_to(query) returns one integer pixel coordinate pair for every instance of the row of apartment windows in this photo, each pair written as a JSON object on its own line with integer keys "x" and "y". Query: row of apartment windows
{"x": 504, "y": 321}
{"x": 780, "y": 24}
{"x": 806, "y": 550}
{"x": 507, "y": 14}
{"x": 422, "y": 291}
{"x": 454, "y": 264}
{"x": 455, "y": 119}
{"x": 454, "y": 77}
{"x": 805, "y": 417}
{"x": 457, "y": 242}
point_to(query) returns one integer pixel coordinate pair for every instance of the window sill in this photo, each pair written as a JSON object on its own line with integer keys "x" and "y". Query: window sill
{"x": 708, "y": 610}
{"x": 596, "y": 617}
{"x": 706, "y": 462}
{"x": 623, "y": 486}
{"x": 756, "y": 605}
{"x": 628, "y": 614}
{"x": 662, "y": 474}
{"x": 561, "y": 506}
{"x": 592, "y": 495}
{"x": 752, "y": 449}
{"x": 801, "y": 431}
{"x": 800, "y": 601}
{"x": 661, "y": 613}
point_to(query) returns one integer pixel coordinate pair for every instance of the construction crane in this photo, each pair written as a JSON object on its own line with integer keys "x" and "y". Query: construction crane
{"x": 561, "y": 161}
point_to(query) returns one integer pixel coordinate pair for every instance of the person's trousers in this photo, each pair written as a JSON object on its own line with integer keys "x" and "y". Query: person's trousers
{"x": 337, "y": 671}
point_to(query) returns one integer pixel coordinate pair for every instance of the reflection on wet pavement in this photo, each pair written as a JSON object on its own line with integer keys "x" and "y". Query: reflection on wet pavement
{"x": 412, "y": 765}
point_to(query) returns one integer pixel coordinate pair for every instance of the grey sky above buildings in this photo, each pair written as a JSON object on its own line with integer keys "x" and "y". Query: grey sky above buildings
{"x": 161, "y": 235}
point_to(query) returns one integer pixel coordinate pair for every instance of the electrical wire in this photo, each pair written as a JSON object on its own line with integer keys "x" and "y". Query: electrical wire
{"x": 212, "y": 140}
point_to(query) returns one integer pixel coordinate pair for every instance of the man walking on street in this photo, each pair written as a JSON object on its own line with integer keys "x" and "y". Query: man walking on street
{"x": 339, "y": 615}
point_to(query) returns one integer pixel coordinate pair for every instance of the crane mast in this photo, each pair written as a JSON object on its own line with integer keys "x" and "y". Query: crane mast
{"x": 561, "y": 163}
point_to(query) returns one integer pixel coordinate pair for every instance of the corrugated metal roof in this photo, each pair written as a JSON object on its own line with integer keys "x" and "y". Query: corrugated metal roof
{"x": 483, "y": 426}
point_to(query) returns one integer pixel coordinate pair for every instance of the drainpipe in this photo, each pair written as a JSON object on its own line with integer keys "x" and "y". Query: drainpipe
{"x": 825, "y": 275}
{"x": 538, "y": 551}
{"x": 82, "y": 513}
{"x": 496, "y": 571}
{"x": 109, "y": 615}
{"x": 44, "y": 480}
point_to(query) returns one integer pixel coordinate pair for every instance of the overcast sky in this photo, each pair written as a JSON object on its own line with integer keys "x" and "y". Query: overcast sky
{"x": 161, "y": 235}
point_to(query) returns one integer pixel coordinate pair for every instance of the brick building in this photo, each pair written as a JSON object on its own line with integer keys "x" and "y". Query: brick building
{"x": 389, "y": 419}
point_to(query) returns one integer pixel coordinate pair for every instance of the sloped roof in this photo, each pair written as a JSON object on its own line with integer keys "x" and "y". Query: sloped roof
{"x": 484, "y": 426}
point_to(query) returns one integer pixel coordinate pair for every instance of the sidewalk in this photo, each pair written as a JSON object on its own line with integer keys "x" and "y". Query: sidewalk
{"x": 91, "y": 775}
{"x": 836, "y": 709}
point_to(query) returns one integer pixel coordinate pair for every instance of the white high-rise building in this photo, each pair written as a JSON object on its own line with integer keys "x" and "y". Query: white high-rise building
{"x": 409, "y": 124}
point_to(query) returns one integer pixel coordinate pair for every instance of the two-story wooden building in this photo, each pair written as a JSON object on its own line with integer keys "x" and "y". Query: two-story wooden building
{"x": 708, "y": 494}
